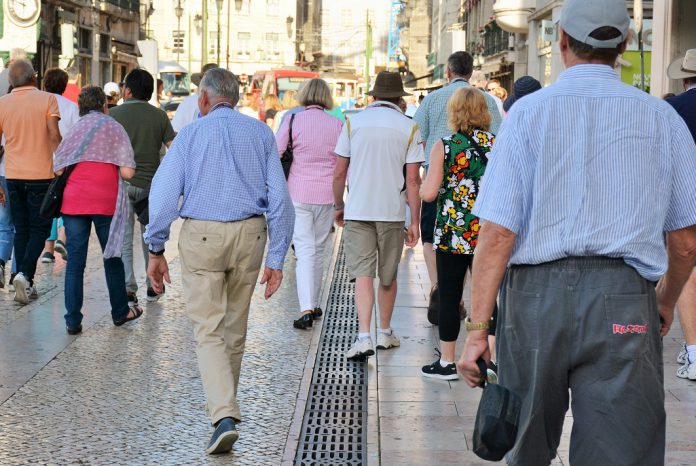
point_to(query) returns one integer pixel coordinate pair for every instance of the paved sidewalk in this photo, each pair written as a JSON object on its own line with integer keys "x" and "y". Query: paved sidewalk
{"x": 418, "y": 421}
{"x": 133, "y": 395}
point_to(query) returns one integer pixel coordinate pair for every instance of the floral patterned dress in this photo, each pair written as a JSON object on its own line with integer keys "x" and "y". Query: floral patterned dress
{"x": 456, "y": 228}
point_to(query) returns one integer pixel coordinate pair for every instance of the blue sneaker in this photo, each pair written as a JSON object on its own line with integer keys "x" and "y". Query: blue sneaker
{"x": 223, "y": 438}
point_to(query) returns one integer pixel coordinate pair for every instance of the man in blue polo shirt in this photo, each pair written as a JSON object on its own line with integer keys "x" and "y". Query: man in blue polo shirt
{"x": 583, "y": 180}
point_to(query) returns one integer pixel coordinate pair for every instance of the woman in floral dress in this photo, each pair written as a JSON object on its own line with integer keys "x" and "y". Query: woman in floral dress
{"x": 457, "y": 165}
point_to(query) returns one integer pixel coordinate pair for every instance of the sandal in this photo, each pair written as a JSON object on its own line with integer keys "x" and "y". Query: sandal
{"x": 317, "y": 313}
{"x": 136, "y": 312}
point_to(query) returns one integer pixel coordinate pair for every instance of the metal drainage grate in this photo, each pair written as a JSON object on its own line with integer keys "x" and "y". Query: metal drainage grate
{"x": 333, "y": 429}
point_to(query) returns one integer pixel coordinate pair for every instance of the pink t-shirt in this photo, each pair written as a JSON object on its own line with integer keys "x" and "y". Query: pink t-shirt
{"x": 314, "y": 136}
{"x": 92, "y": 189}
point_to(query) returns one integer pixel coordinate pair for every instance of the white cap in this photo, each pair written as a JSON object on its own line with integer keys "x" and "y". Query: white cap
{"x": 579, "y": 18}
{"x": 111, "y": 88}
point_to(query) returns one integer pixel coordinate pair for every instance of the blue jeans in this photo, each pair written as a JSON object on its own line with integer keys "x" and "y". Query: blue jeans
{"x": 77, "y": 231}
{"x": 31, "y": 230}
{"x": 6, "y": 225}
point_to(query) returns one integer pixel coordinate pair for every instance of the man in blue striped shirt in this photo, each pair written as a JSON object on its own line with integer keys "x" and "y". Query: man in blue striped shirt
{"x": 584, "y": 178}
{"x": 227, "y": 169}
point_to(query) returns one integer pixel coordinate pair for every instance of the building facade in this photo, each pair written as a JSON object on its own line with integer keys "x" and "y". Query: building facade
{"x": 674, "y": 32}
{"x": 415, "y": 35}
{"x": 243, "y": 36}
{"x": 95, "y": 40}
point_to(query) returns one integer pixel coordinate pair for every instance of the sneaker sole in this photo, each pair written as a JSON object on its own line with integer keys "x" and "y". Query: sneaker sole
{"x": 387, "y": 347}
{"x": 47, "y": 261}
{"x": 21, "y": 292}
{"x": 361, "y": 356}
{"x": 224, "y": 443}
{"x": 440, "y": 377}
{"x": 685, "y": 377}
{"x": 152, "y": 299}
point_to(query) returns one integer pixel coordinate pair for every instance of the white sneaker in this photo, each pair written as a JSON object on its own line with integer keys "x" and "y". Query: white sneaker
{"x": 683, "y": 355}
{"x": 687, "y": 371}
{"x": 361, "y": 349}
{"x": 22, "y": 289}
{"x": 386, "y": 341}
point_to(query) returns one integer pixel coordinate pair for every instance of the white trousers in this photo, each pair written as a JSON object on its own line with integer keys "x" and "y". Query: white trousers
{"x": 312, "y": 229}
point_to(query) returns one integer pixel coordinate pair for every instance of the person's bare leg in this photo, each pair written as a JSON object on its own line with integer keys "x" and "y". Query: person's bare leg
{"x": 386, "y": 296}
{"x": 50, "y": 246}
{"x": 364, "y": 301}
{"x": 429, "y": 255}
{"x": 686, "y": 307}
{"x": 447, "y": 348}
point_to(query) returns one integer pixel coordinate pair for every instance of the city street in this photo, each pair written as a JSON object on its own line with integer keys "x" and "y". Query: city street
{"x": 132, "y": 395}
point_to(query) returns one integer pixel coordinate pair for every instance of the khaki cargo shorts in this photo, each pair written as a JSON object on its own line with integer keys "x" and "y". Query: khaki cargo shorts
{"x": 373, "y": 245}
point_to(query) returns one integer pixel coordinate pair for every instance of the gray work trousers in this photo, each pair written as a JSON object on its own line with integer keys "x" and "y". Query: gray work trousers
{"x": 588, "y": 327}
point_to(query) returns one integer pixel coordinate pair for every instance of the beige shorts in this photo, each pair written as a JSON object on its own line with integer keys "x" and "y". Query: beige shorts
{"x": 373, "y": 245}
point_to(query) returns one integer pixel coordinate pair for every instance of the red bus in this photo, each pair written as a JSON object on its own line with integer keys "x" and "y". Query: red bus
{"x": 277, "y": 82}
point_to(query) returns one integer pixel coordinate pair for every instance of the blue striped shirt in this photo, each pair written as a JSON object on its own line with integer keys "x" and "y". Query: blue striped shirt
{"x": 591, "y": 167}
{"x": 431, "y": 116}
{"x": 227, "y": 168}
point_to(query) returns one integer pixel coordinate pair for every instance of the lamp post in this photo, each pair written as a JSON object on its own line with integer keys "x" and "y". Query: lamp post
{"x": 218, "y": 4}
{"x": 179, "y": 12}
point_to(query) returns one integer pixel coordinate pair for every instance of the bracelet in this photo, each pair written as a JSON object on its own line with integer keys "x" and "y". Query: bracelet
{"x": 158, "y": 253}
{"x": 469, "y": 325}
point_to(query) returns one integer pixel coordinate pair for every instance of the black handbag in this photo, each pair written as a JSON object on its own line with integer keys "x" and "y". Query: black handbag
{"x": 497, "y": 419}
{"x": 53, "y": 200}
{"x": 287, "y": 157}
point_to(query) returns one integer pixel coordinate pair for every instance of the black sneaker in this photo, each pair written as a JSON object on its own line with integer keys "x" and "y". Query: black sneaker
{"x": 436, "y": 371}
{"x": 132, "y": 299}
{"x": 152, "y": 295}
{"x": 47, "y": 258}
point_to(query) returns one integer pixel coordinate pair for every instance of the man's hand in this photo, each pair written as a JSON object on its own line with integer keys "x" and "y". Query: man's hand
{"x": 272, "y": 279}
{"x": 476, "y": 346}
{"x": 157, "y": 270}
{"x": 412, "y": 235}
{"x": 338, "y": 218}
{"x": 666, "y": 318}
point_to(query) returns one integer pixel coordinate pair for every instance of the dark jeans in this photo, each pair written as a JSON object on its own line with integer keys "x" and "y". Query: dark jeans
{"x": 31, "y": 230}
{"x": 77, "y": 231}
{"x": 428, "y": 217}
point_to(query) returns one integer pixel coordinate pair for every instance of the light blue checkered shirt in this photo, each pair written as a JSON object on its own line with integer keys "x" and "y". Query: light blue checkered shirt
{"x": 591, "y": 167}
{"x": 226, "y": 166}
{"x": 431, "y": 116}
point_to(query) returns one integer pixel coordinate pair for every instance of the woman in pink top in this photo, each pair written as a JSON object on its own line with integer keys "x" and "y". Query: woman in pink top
{"x": 98, "y": 152}
{"x": 314, "y": 137}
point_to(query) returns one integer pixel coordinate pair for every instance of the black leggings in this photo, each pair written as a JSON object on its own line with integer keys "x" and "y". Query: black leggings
{"x": 451, "y": 270}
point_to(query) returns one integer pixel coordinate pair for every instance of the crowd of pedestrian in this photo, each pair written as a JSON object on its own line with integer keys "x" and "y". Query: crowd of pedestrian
{"x": 540, "y": 196}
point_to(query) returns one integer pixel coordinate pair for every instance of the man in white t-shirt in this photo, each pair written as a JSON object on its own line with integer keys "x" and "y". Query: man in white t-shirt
{"x": 188, "y": 110}
{"x": 384, "y": 150}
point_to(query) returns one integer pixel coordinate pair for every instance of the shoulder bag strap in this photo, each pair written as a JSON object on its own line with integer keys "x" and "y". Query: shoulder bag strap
{"x": 292, "y": 117}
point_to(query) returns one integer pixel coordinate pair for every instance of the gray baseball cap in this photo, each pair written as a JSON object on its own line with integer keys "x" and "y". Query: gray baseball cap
{"x": 579, "y": 18}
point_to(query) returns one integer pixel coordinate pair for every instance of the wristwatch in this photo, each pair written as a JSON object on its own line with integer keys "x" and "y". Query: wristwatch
{"x": 469, "y": 325}
{"x": 339, "y": 208}
{"x": 158, "y": 253}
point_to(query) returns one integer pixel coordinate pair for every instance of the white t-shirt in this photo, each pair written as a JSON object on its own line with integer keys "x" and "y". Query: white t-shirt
{"x": 69, "y": 114}
{"x": 186, "y": 112}
{"x": 379, "y": 141}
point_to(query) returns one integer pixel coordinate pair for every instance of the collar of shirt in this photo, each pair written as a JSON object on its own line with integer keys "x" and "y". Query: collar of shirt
{"x": 458, "y": 80}
{"x": 384, "y": 103}
{"x": 25, "y": 88}
{"x": 693, "y": 86}
{"x": 589, "y": 71}
{"x": 314, "y": 107}
{"x": 133, "y": 100}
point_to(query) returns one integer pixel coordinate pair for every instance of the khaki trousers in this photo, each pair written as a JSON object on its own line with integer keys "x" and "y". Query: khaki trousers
{"x": 220, "y": 267}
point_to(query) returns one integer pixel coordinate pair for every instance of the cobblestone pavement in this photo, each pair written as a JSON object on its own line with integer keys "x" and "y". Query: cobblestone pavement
{"x": 133, "y": 395}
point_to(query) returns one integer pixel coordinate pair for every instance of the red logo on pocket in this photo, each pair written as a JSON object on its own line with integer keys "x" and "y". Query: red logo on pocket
{"x": 631, "y": 328}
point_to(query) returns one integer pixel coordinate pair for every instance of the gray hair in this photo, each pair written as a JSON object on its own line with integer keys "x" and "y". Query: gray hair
{"x": 316, "y": 92}
{"x": 91, "y": 98}
{"x": 219, "y": 82}
{"x": 21, "y": 73}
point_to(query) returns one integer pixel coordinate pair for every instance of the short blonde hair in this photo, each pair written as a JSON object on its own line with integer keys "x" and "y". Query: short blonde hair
{"x": 467, "y": 110}
{"x": 289, "y": 99}
{"x": 500, "y": 93}
{"x": 316, "y": 92}
{"x": 272, "y": 101}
